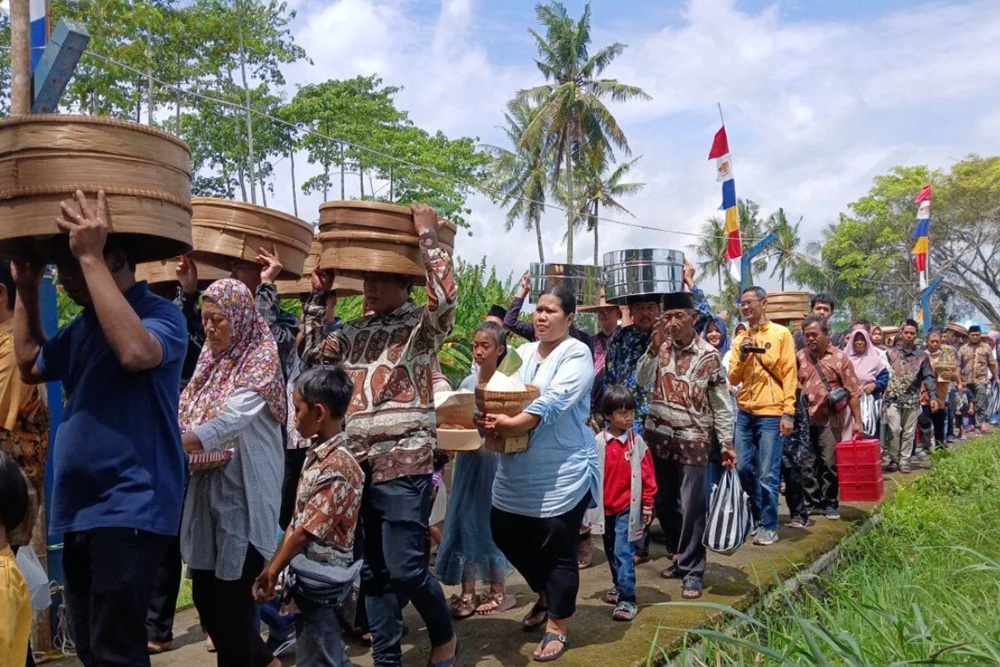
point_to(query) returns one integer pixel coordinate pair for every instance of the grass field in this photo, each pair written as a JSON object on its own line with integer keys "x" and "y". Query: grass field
{"x": 922, "y": 586}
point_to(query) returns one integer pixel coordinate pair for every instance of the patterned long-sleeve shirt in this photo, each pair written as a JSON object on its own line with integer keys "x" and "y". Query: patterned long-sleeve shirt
{"x": 911, "y": 370}
{"x": 390, "y": 358}
{"x": 690, "y": 399}
{"x": 977, "y": 363}
{"x": 626, "y": 347}
{"x": 328, "y": 502}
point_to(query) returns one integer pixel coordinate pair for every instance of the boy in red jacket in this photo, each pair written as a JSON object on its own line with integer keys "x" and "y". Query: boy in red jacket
{"x": 629, "y": 487}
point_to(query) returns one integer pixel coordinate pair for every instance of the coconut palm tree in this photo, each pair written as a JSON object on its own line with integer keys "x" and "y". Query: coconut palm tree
{"x": 784, "y": 250}
{"x": 601, "y": 185}
{"x": 572, "y": 116}
{"x": 520, "y": 175}
{"x": 712, "y": 248}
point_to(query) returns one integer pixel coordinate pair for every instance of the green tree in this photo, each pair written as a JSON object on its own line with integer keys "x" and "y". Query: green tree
{"x": 602, "y": 185}
{"x": 784, "y": 251}
{"x": 572, "y": 116}
{"x": 519, "y": 176}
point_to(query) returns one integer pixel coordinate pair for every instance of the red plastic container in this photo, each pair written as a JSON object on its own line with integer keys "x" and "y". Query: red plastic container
{"x": 859, "y": 470}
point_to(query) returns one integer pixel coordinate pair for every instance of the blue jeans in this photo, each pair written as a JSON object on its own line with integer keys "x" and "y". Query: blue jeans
{"x": 621, "y": 555}
{"x": 318, "y": 641}
{"x": 394, "y": 515}
{"x": 759, "y": 445}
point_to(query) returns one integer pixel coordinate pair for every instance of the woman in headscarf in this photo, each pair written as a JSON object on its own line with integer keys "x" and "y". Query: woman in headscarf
{"x": 716, "y": 335}
{"x": 468, "y": 553}
{"x": 869, "y": 365}
{"x": 234, "y": 401}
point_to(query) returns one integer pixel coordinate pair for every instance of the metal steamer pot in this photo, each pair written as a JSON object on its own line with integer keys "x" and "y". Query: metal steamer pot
{"x": 584, "y": 280}
{"x": 638, "y": 271}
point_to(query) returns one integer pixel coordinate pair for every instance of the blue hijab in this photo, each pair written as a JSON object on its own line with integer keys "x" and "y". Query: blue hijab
{"x": 720, "y": 324}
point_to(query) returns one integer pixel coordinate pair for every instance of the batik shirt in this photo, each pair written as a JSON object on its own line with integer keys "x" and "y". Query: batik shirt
{"x": 838, "y": 371}
{"x": 328, "y": 502}
{"x": 911, "y": 369}
{"x": 976, "y": 363}
{"x": 625, "y": 348}
{"x": 391, "y": 358}
{"x": 690, "y": 398}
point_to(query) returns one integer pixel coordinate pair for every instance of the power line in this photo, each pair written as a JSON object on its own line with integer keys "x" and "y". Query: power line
{"x": 413, "y": 165}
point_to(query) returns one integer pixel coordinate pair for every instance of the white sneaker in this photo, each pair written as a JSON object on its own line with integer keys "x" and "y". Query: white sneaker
{"x": 765, "y": 537}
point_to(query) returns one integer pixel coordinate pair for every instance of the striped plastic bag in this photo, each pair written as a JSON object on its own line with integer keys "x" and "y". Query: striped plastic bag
{"x": 729, "y": 519}
{"x": 994, "y": 402}
{"x": 869, "y": 414}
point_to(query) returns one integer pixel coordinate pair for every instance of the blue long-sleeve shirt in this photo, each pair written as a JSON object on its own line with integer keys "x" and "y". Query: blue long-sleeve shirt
{"x": 560, "y": 465}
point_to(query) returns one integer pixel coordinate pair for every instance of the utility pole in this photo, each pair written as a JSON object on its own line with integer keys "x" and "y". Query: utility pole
{"x": 20, "y": 57}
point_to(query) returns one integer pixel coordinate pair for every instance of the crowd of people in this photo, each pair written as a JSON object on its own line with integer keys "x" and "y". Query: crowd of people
{"x": 292, "y": 465}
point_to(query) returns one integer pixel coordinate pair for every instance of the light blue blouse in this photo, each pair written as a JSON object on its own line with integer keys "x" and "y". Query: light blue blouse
{"x": 560, "y": 465}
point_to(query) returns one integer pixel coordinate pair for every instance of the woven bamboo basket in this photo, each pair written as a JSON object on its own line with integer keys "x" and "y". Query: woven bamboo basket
{"x": 456, "y": 431}
{"x": 508, "y": 403}
{"x": 165, "y": 271}
{"x": 361, "y": 236}
{"x": 145, "y": 173}
{"x": 791, "y": 307}
{"x": 342, "y": 285}
{"x": 226, "y": 232}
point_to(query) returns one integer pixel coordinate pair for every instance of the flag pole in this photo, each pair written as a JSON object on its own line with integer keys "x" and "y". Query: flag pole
{"x": 719, "y": 104}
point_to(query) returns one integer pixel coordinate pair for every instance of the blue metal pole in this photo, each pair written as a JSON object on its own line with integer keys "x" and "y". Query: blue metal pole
{"x": 748, "y": 256}
{"x": 925, "y": 301}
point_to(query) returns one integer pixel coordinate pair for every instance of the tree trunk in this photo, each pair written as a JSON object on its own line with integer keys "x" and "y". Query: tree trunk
{"x": 243, "y": 185}
{"x": 149, "y": 75}
{"x": 538, "y": 237}
{"x": 20, "y": 58}
{"x": 361, "y": 179}
{"x": 295, "y": 194}
{"x": 719, "y": 274}
{"x": 597, "y": 209}
{"x": 570, "y": 209}
{"x": 342, "y": 197}
{"x": 263, "y": 193}
{"x": 246, "y": 91}
{"x": 782, "y": 279}
{"x": 392, "y": 193}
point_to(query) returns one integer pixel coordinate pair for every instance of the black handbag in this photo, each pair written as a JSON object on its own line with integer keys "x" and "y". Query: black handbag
{"x": 836, "y": 399}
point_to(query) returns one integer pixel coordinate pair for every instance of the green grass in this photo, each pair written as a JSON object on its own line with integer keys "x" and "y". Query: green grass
{"x": 923, "y": 586}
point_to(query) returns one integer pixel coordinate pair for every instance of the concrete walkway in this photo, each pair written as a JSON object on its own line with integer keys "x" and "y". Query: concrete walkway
{"x": 596, "y": 640}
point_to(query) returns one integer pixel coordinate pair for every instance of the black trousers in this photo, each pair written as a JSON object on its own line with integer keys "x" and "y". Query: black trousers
{"x": 819, "y": 468}
{"x": 294, "y": 460}
{"x": 543, "y": 550}
{"x": 163, "y": 600}
{"x": 931, "y": 426}
{"x": 229, "y": 616}
{"x": 108, "y": 585}
{"x": 791, "y": 475}
{"x": 681, "y": 492}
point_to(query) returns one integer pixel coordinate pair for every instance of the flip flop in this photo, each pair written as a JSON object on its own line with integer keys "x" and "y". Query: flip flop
{"x": 547, "y": 639}
{"x": 527, "y": 626}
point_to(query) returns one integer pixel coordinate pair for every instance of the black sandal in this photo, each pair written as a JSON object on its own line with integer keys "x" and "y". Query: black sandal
{"x": 526, "y": 623}
{"x": 547, "y": 639}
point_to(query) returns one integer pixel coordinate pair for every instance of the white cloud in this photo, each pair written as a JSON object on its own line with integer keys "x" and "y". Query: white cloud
{"x": 814, "y": 109}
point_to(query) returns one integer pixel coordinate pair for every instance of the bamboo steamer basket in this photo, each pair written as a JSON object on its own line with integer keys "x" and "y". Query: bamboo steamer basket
{"x": 162, "y": 275}
{"x": 464, "y": 439}
{"x": 226, "y": 232}
{"x": 791, "y": 307}
{"x": 342, "y": 285}
{"x": 145, "y": 173}
{"x": 362, "y": 236}
{"x": 508, "y": 403}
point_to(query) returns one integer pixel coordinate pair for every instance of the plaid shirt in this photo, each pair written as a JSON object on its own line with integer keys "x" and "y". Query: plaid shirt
{"x": 977, "y": 363}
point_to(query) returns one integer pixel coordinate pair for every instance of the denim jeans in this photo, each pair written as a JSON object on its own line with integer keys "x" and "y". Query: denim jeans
{"x": 394, "y": 515}
{"x": 759, "y": 445}
{"x": 621, "y": 555}
{"x": 318, "y": 640}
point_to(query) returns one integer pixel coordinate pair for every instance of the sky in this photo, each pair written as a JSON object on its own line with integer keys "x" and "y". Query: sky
{"x": 819, "y": 97}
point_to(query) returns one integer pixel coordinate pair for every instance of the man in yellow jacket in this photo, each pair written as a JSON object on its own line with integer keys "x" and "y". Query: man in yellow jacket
{"x": 763, "y": 366}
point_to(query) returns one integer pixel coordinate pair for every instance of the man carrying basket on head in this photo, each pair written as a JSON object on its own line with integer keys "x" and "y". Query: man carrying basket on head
{"x": 390, "y": 357}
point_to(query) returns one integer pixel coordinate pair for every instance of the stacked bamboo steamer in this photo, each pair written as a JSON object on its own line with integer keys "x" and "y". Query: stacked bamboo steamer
{"x": 162, "y": 275}
{"x": 359, "y": 237}
{"x": 342, "y": 285}
{"x": 226, "y": 232}
{"x": 788, "y": 308}
{"x": 145, "y": 173}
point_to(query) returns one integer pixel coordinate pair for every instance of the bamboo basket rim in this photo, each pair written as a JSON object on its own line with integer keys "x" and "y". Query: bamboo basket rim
{"x": 53, "y": 118}
{"x": 250, "y": 208}
{"x": 379, "y": 207}
{"x": 528, "y": 389}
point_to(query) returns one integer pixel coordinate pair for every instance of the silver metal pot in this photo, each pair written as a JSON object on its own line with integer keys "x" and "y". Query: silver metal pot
{"x": 584, "y": 280}
{"x": 640, "y": 271}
